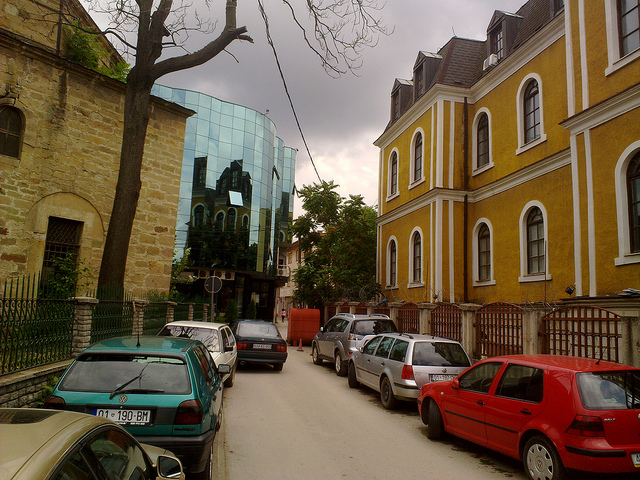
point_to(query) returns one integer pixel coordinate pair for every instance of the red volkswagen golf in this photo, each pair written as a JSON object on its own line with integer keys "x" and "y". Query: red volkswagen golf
{"x": 552, "y": 412}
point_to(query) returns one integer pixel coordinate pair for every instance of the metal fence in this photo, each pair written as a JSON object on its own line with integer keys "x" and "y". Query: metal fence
{"x": 446, "y": 321}
{"x": 409, "y": 318}
{"x": 33, "y": 330}
{"x": 498, "y": 330}
{"x": 155, "y": 317}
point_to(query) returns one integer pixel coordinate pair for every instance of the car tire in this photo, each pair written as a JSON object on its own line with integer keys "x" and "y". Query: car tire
{"x": 278, "y": 366}
{"x": 387, "y": 397}
{"x": 341, "y": 368}
{"x": 351, "y": 376}
{"x": 228, "y": 383}
{"x": 316, "y": 355}
{"x": 207, "y": 473}
{"x": 435, "y": 428}
{"x": 541, "y": 460}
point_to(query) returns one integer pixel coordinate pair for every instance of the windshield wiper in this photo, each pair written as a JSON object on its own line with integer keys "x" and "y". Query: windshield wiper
{"x": 124, "y": 385}
{"x": 136, "y": 390}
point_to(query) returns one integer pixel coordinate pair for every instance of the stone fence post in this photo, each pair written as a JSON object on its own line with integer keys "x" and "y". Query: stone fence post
{"x": 424, "y": 312}
{"x": 393, "y": 311}
{"x": 205, "y": 313}
{"x": 190, "y": 314}
{"x": 171, "y": 311}
{"x": 531, "y": 323}
{"x": 82, "y": 316}
{"x": 353, "y": 306}
{"x": 138, "y": 316}
{"x": 468, "y": 331}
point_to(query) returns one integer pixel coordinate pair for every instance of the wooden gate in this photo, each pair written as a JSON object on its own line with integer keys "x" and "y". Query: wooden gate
{"x": 590, "y": 332}
{"x": 446, "y": 321}
{"x": 498, "y": 330}
{"x": 409, "y": 318}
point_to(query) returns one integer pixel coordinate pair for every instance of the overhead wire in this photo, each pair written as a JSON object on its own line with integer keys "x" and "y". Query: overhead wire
{"x": 284, "y": 83}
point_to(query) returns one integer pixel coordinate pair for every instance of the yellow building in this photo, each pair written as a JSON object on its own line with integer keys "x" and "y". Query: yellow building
{"x": 510, "y": 168}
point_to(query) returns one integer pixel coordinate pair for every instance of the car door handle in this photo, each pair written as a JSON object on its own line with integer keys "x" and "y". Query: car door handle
{"x": 481, "y": 403}
{"x": 525, "y": 411}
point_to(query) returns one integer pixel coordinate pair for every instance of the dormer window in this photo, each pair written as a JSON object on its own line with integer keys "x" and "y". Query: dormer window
{"x": 395, "y": 105}
{"x": 497, "y": 43}
{"x": 418, "y": 81}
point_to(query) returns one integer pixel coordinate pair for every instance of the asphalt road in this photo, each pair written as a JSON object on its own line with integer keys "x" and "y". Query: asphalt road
{"x": 306, "y": 423}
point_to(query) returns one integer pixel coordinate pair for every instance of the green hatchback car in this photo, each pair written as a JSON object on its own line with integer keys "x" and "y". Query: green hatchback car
{"x": 165, "y": 391}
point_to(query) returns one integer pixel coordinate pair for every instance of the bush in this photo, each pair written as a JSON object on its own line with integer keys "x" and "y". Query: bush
{"x": 252, "y": 310}
{"x": 231, "y": 312}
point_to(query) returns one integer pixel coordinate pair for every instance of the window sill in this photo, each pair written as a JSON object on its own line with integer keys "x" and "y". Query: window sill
{"x": 622, "y": 62}
{"x": 420, "y": 181}
{"x": 391, "y": 197}
{"x": 628, "y": 259}
{"x": 416, "y": 285}
{"x": 484, "y": 168}
{"x": 533, "y": 143}
{"x": 534, "y": 278}
{"x": 391, "y": 287}
{"x": 483, "y": 283}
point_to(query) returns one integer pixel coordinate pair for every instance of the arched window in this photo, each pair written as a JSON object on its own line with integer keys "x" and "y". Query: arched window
{"x": 482, "y": 141}
{"x": 393, "y": 174}
{"x": 417, "y": 157}
{"x": 633, "y": 194}
{"x": 198, "y": 216}
{"x": 484, "y": 253}
{"x": 10, "y": 131}
{"x": 535, "y": 242}
{"x": 393, "y": 263}
{"x": 220, "y": 220}
{"x": 417, "y": 258}
{"x": 531, "y": 103}
{"x": 231, "y": 219}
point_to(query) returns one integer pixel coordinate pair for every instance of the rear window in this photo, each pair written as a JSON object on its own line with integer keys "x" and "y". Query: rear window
{"x": 248, "y": 329}
{"x": 430, "y": 354}
{"x": 609, "y": 390}
{"x": 208, "y": 336}
{"x": 373, "y": 327}
{"x": 106, "y": 373}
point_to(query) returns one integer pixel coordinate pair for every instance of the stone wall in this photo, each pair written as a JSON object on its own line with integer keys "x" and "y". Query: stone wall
{"x": 70, "y": 157}
{"x": 27, "y": 388}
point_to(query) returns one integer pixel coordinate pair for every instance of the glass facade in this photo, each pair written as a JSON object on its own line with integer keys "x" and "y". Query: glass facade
{"x": 237, "y": 186}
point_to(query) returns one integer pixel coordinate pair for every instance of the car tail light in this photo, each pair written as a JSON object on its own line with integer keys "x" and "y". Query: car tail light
{"x": 281, "y": 347}
{"x": 241, "y": 345}
{"x": 407, "y": 372}
{"x": 586, "y": 426}
{"x": 55, "y": 402}
{"x": 189, "y": 413}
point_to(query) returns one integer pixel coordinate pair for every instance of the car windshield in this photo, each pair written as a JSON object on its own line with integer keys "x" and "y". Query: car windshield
{"x": 209, "y": 336}
{"x": 251, "y": 329}
{"x": 373, "y": 327}
{"x": 106, "y": 373}
{"x": 609, "y": 390}
{"x": 439, "y": 353}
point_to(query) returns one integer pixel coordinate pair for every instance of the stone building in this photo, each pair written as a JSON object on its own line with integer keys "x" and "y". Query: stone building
{"x": 510, "y": 167}
{"x": 60, "y": 138}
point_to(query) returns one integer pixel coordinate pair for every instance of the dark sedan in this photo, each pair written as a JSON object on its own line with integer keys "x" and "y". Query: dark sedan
{"x": 259, "y": 341}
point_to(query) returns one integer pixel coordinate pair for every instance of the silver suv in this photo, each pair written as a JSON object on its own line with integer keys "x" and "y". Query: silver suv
{"x": 344, "y": 334}
{"x": 398, "y": 364}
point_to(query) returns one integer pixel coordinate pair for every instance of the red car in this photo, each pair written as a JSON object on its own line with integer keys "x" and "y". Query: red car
{"x": 552, "y": 412}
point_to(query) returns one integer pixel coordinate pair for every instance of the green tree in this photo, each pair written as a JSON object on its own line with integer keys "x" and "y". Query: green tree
{"x": 337, "y": 236}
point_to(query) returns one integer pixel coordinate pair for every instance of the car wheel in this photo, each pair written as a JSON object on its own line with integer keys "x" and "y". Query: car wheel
{"x": 387, "y": 397}
{"x": 207, "y": 473}
{"x": 541, "y": 460}
{"x": 278, "y": 367}
{"x": 353, "y": 381}
{"x": 435, "y": 429}
{"x": 341, "y": 368}
{"x": 316, "y": 355}
{"x": 228, "y": 383}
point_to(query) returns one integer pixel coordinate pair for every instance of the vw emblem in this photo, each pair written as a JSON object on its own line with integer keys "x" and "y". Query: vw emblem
{"x": 444, "y": 370}
{"x": 122, "y": 399}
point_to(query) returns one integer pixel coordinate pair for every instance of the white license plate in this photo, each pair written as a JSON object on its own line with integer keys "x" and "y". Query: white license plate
{"x": 125, "y": 417}
{"x": 439, "y": 377}
{"x": 262, "y": 346}
{"x": 635, "y": 458}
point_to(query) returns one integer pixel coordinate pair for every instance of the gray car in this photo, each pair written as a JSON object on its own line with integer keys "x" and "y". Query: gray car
{"x": 398, "y": 364}
{"x": 344, "y": 334}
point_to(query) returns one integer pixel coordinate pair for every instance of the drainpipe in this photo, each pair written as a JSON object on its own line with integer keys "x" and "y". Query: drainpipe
{"x": 465, "y": 228}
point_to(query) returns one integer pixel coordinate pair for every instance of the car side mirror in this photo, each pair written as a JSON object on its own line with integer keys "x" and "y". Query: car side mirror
{"x": 322, "y": 329}
{"x": 169, "y": 468}
{"x": 228, "y": 348}
{"x": 223, "y": 368}
{"x": 455, "y": 384}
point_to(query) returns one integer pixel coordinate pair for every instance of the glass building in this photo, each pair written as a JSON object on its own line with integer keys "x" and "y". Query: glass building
{"x": 236, "y": 199}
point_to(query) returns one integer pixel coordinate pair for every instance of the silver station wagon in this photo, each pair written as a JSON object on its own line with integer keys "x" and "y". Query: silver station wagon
{"x": 398, "y": 364}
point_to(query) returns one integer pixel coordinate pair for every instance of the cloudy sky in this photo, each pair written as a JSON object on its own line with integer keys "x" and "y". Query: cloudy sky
{"x": 340, "y": 118}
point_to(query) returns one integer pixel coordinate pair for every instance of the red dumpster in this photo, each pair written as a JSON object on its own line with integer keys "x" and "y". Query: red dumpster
{"x": 304, "y": 323}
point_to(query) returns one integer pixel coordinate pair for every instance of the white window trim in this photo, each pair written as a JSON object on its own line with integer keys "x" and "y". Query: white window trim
{"x": 613, "y": 40}
{"x": 524, "y": 276}
{"x": 392, "y": 238}
{"x": 475, "y": 254}
{"x": 523, "y": 147}
{"x": 414, "y": 181}
{"x": 625, "y": 257}
{"x": 411, "y": 282}
{"x": 476, "y": 120}
{"x": 390, "y": 195}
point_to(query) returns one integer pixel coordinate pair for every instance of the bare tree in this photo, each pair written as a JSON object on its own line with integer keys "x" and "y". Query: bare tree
{"x": 341, "y": 29}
